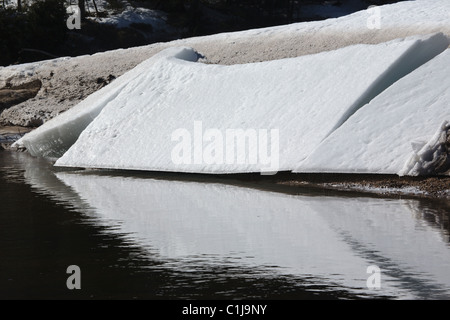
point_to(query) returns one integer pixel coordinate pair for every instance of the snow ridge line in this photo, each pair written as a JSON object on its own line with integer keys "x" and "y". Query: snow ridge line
{"x": 79, "y": 117}
{"x": 55, "y": 148}
{"x": 420, "y": 53}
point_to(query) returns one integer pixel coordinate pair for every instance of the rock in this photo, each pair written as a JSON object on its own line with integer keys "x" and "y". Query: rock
{"x": 12, "y": 95}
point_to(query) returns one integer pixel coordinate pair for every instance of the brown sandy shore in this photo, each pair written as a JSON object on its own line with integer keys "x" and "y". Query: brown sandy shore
{"x": 5, "y": 130}
{"x": 391, "y": 186}
{"x": 383, "y": 185}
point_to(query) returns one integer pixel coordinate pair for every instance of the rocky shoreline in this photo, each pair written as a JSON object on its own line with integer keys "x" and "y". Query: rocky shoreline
{"x": 8, "y": 135}
{"x": 437, "y": 187}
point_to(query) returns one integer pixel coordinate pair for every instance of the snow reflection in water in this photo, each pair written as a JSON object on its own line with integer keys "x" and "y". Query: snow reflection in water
{"x": 331, "y": 240}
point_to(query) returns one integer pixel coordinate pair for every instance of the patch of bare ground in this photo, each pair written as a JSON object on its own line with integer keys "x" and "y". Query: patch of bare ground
{"x": 385, "y": 185}
{"x": 11, "y": 95}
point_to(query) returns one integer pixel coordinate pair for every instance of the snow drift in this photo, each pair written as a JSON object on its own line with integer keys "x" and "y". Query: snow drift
{"x": 304, "y": 99}
{"x": 394, "y": 132}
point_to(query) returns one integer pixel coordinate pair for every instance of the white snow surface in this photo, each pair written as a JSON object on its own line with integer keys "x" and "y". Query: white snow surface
{"x": 394, "y": 132}
{"x": 303, "y": 98}
{"x": 52, "y": 139}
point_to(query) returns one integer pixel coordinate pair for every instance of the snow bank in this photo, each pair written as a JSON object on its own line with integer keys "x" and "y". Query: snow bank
{"x": 303, "y": 99}
{"x": 380, "y": 137}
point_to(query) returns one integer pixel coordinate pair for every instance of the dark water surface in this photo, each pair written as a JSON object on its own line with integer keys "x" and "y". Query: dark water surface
{"x": 142, "y": 236}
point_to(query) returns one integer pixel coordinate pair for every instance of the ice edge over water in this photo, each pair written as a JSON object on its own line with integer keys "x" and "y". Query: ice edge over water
{"x": 433, "y": 157}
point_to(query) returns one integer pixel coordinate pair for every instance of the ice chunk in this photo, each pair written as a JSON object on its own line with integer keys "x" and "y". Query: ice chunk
{"x": 432, "y": 158}
{"x": 378, "y": 138}
{"x": 299, "y": 100}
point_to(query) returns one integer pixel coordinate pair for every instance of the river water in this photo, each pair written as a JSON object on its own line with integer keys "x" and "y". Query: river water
{"x": 150, "y": 236}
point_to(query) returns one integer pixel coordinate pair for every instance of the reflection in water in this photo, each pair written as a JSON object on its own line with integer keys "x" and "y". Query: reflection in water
{"x": 228, "y": 240}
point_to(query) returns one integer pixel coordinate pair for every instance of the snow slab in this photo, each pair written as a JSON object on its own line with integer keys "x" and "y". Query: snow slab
{"x": 401, "y": 131}
{"x": 175, "y": 115}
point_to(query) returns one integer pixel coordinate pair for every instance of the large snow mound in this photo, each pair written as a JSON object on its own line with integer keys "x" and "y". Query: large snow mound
{"x": 284, "y": 109}
{"x": 394, "y": 133}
